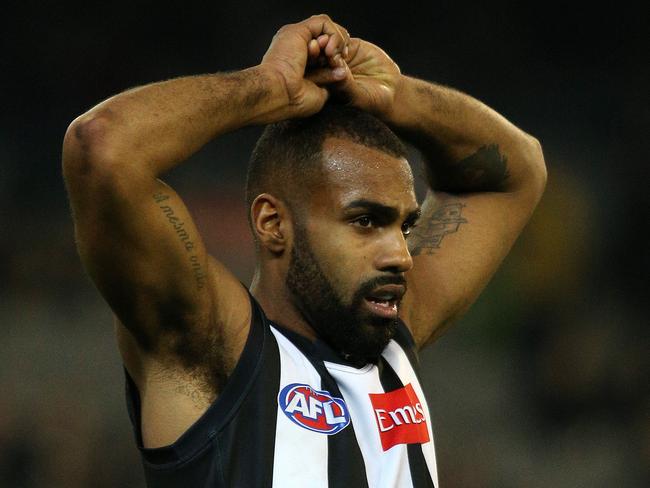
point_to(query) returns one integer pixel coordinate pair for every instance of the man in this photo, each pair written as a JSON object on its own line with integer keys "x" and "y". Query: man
{"x": 309, "y": 378}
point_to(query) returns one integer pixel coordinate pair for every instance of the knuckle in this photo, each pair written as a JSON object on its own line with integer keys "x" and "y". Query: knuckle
{"x": 283, "y": 29}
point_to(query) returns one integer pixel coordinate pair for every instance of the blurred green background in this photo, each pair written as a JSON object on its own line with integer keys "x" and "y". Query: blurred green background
{"x": 545, "y": 381}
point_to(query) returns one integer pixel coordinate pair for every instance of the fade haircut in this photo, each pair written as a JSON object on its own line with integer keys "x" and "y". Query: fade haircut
{"x": 286, "y": 160}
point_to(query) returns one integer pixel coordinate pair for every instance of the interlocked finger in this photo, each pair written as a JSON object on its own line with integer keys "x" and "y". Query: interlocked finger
{"x": 331, "y": 37}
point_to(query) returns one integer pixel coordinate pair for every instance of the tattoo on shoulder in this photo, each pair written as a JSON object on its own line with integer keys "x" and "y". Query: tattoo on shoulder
{"x": 179, "y": 227}
{"x": 433, "y": 226}
{"x": 486, "y": 169}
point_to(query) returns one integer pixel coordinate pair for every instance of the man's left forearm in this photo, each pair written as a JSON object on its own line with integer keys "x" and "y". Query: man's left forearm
{"x": 469, "y": 146}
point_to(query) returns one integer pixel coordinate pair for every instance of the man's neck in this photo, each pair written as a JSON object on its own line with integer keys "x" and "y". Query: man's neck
{"x": 274, "y": 298}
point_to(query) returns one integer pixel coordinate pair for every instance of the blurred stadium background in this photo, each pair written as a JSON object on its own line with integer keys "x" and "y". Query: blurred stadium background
{"x": 543, "y": 384}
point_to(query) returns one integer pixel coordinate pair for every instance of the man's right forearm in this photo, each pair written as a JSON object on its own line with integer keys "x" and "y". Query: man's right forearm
{"x": 155, "y": 127}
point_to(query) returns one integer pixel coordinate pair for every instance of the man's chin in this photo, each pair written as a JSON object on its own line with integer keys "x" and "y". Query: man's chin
{"x": 370, "y": 341}
{"x": 379, "y": 328}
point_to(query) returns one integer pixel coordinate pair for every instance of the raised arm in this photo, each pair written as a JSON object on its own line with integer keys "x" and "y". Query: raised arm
{"x": 486, "y": 176}
{"x": 179, "y": 311}
{"x": 134, "y": 234}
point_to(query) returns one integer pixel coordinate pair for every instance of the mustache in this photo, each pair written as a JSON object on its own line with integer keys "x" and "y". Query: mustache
{"x": 367, "y": 287}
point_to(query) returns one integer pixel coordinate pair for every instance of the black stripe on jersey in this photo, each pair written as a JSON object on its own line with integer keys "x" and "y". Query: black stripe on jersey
{"x": 405, "y": 339}
{"x": 246, "y": 444}
{"x": 419, "y": 470}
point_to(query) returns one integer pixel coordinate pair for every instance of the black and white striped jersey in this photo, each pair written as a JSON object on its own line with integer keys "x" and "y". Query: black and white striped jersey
{"x": 294, "y": 414}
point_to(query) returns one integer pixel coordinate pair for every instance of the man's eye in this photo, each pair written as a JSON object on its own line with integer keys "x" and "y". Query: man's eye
{"x": 363, "y": 221}
{"x": 407, "y": 227}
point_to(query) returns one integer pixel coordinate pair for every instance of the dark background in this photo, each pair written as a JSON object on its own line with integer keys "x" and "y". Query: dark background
{"x": 544, "y": 382}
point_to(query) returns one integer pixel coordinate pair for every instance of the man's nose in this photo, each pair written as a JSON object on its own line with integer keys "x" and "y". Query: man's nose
{"x": 394, "y": 255}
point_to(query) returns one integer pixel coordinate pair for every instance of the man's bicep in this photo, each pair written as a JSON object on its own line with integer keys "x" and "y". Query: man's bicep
{"x": 459, "y": 243}
{"x": 143, "y": 251}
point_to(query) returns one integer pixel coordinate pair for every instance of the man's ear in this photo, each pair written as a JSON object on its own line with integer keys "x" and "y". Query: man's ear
{"x": 271, "y": 223}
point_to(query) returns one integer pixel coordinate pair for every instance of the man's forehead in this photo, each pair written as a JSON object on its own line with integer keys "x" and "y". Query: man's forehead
{"x": 352, "y": 172}
{"x": 350, "y": 165}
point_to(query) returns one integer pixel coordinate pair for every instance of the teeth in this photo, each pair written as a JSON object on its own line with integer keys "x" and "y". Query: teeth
{"x": 379, "y": 300}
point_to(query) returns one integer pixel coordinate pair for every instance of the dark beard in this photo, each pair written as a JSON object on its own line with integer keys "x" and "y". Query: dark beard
{"x": 355, "y": 334}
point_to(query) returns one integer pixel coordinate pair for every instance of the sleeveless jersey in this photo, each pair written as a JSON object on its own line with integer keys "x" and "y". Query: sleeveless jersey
{"x": 293, "y": 413}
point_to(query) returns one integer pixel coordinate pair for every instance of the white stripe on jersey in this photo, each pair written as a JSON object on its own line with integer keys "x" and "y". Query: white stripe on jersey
{"x": 299, "y": 453}
{"x": 383, "y": 469}
{"x": 402, "y": 367}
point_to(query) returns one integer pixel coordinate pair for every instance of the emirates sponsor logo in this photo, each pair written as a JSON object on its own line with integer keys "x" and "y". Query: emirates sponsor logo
{"x": 400, "y": 417}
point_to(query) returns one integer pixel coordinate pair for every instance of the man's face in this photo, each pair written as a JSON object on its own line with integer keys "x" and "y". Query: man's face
{"x": 349, "y": 255}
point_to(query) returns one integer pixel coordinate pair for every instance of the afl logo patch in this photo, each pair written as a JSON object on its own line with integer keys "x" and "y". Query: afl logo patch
{"x": 313, "y": 410}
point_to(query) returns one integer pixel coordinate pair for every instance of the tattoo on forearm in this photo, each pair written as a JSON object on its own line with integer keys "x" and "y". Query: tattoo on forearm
{"x": 433, "y": 226}
{"x": 485, "y": 170}
{"x": 181, "y": 232}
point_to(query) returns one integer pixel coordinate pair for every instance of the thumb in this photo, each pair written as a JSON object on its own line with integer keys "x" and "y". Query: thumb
{"x": 346, "y": 90}
{"x": 314, "y": 99}
{"x": 326, "y": 76}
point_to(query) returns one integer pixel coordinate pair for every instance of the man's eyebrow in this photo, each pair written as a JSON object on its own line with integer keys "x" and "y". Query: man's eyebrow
{"x": 414, "y": 215}
{"x": 390, "y": 213}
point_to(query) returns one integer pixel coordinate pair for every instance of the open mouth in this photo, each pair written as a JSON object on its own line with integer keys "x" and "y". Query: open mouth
{"x": 383, "y": 308}
{"x": 384, "y": 301}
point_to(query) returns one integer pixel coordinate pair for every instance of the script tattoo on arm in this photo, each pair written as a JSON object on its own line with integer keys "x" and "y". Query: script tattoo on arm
{"x": 433, "y": 226}
{"x": 185, "y": 238}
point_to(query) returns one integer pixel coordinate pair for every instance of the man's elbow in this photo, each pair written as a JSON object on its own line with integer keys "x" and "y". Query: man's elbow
{"x": 536, "y": 174}
{"x": 87, "y": 149}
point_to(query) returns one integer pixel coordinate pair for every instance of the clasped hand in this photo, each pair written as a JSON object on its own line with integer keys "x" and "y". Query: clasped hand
{"x": 317, "y": 59}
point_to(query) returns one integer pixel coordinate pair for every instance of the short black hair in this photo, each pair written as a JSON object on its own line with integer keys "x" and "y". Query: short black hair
{"x": 288, "y": 154}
